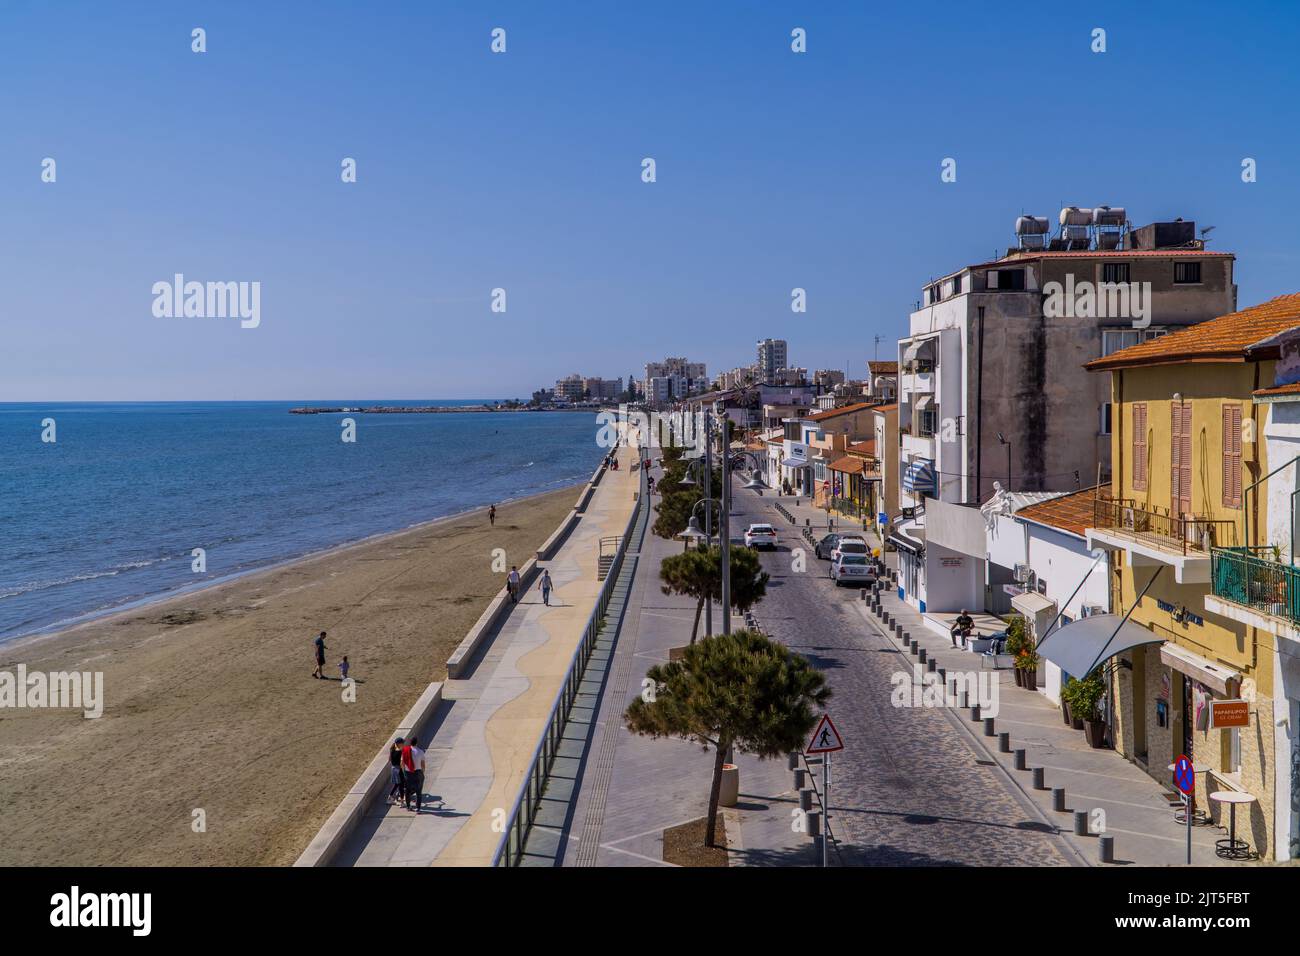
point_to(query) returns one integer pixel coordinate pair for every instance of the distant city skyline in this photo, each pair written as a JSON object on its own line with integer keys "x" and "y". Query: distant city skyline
{"x": 522, "y": 171}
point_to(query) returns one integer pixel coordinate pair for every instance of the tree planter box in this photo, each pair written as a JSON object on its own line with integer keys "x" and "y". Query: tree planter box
{"x": 1020, "y": 677}
{"x": 1095, "y": 732}
{"x": 1031, "y": 679}
{"x": 1065, "y": 712}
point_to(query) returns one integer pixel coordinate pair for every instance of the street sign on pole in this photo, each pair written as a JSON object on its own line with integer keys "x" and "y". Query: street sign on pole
{"x": 825, "y": 739}
{"x": 1185, "y": 780}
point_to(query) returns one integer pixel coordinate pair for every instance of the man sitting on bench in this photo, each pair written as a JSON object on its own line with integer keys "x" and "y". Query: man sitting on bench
{"x": 962, "y": 628}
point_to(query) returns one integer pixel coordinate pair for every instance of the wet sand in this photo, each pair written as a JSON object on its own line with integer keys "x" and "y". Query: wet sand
{"x": 210, "y": 704}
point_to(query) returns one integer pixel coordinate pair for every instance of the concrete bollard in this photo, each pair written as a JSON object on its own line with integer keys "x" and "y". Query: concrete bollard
{"x": 915, "y": 649}
{"x": 1058, "y": 799}
{"x": 1004, "y": 743}
{"x": 801, "y": 780}
{"x": 961, "y": 697}
{"x": 943, "y": 676}
{"x": 1018, "y": 759}
{"x": 1080, "y": 822}
{"x": 932, "y": 665}
{"x": 792, "y": 761}
{"x": 975, "y": 712}
{"x": 1039, "y": 782}
{"x": 907, "y": 639}
{"x": 988, "y": 727}
{"x": 814, "y": 818}
{"x": 1106, "y": 848}
{"x": 920, "y": 656}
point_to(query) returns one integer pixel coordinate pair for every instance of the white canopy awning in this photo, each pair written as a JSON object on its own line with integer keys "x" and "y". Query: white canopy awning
{"x": 909, "y": 354}
{"x": 794, "y": 462}
{"x": 1223, "y": 680}
{"x": 1083, "y": 645}
{"x": 923, "y": 402}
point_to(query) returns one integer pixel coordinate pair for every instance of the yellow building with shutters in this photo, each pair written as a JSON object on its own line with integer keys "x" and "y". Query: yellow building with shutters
{"x": 1186, "y": 512}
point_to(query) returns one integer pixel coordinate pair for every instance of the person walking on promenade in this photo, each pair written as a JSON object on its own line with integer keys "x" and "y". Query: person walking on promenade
{"x": 545, "y": 585}
{"x": 492, "y": 515}
{"x": 397, "y": 792}
{"x": 319, "y": 672}
{"x": 512, "y": 584}
{"x": 413, "y": 771}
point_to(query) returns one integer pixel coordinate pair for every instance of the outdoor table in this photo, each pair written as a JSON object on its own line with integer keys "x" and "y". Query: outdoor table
{"x": 1232, "y": 848}
{"x": 1199, "y": 817}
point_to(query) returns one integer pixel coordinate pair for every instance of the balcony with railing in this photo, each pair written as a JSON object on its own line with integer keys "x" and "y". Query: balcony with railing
{"x": 1256, "y": 579}
{"x": 1183, "y": 541}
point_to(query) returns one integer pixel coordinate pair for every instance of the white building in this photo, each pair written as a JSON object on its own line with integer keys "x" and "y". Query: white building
{"x": 773, "y": 354}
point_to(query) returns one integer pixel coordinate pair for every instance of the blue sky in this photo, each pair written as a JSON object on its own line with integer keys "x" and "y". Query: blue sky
{"x": 522, "y": 171}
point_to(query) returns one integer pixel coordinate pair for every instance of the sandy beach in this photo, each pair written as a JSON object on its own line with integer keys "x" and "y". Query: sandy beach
{"x": 210, "y": 704}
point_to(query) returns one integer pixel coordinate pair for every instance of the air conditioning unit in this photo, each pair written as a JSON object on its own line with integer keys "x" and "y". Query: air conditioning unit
{"x": 1022, "y": 573}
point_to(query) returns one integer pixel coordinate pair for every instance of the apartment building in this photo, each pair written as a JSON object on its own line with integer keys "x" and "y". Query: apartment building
{"x": 991, "y": 384}
{"x": 772, "y": 354}
{"x": 1197, "y": 523}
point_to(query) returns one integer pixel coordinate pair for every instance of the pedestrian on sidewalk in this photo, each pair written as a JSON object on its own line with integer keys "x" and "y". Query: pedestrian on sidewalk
{"x": 512, "y": 584}
{"x": 319, "y": 672}
{"x": 962, "y": 627}
{"x": 397, "y": 792}
{"x": 492, "y": 515}
{"x": 545, "y": 585}
{"x": 413, "y": 772}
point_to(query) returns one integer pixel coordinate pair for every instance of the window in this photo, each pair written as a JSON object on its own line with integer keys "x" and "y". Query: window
{"x": 1013, "y": 279}
{"x": 1180, "y": 458}
{"x": 1140, "y": 446}
{"x": 928, "y": 423}
{"x": 1112, "y": 340}
{"x": 1103, "y": 419}
{"x": 1114, "y": 272}
{"x": 1232, "y": 455}
{"x": 1187, "y": 272}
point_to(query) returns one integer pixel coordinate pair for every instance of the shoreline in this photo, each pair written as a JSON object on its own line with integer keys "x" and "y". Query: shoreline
{"x": 154, "y": 601}
{"x": 209, "y": 704}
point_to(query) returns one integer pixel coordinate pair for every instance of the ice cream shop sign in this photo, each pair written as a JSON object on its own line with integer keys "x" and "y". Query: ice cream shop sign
{"x": 1229, "y": 713}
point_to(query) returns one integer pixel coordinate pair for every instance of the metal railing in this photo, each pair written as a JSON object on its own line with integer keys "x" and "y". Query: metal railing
{"x": 520, "y": 819}
{"x": 1255, "y": 578}
{"x": 1183, "y": 533}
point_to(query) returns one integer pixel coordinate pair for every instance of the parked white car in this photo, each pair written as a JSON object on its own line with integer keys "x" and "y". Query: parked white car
{"x": 850, "y": 544}
{"x": 852, "y": 569}
{"x": 760, "y": 536}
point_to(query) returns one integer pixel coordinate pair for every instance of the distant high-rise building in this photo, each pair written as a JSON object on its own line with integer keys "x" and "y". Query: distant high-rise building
{"x": 773, "y": 354}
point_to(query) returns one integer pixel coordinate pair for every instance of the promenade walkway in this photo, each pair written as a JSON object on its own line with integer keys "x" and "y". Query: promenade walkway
{"x": 487, "y": 728}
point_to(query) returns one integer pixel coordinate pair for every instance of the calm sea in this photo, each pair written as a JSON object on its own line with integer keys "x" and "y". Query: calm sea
{"x": 109, "y": 514}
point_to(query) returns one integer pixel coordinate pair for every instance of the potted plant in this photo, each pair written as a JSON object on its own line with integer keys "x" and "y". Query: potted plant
{"x": 1085, "y": 705}
{"x": 1018, "y": 643}
{"x": 1027, "y": 662}
{"x": 1069, "y": 694}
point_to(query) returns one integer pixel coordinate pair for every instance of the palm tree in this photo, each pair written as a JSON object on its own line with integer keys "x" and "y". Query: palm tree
{"x": 739, "y": 690}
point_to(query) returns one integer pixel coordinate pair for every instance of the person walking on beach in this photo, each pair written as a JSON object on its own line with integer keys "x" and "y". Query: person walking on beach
{"x": 343, "y": 668}
{"x": 396, "y": 793}
{"x": 413, "y": 771}
{"x": 512, "y": 584}
{"x": 545, "y": 585}
{"x": 492, "y": 515}
{"x": 319, "y": 672}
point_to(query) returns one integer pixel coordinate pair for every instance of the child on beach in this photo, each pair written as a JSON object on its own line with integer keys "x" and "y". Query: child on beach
{"x": 343, "y": 668}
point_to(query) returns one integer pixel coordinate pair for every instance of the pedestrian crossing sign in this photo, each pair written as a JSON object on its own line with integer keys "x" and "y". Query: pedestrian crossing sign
{"x": 825, "y": 738}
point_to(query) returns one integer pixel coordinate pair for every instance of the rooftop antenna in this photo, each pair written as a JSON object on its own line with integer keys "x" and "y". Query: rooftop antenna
{"x": 876, "y": 353}
{"x": 1205, "y": 232}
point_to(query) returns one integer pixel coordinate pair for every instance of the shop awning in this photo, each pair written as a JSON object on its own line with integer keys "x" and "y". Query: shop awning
{"x": 1083, "y": 645}
{"x": 909, "y": 545}
{"x": 918, "y": 478}
{"x": 793, "y": 462}
{"x": 1222, "y": 680}
{"x": 847, "y": 466}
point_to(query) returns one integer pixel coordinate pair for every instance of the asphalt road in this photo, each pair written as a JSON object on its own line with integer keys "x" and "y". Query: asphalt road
{"x": 910, "y": 789}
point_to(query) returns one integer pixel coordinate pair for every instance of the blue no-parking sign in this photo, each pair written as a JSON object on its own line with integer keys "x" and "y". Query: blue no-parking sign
{"x": 1184, "y": 776}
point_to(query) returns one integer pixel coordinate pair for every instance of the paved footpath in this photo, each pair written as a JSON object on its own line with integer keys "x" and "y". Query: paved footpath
{"x": 1137, "y": 809}
{"x": 489, "y": 723}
